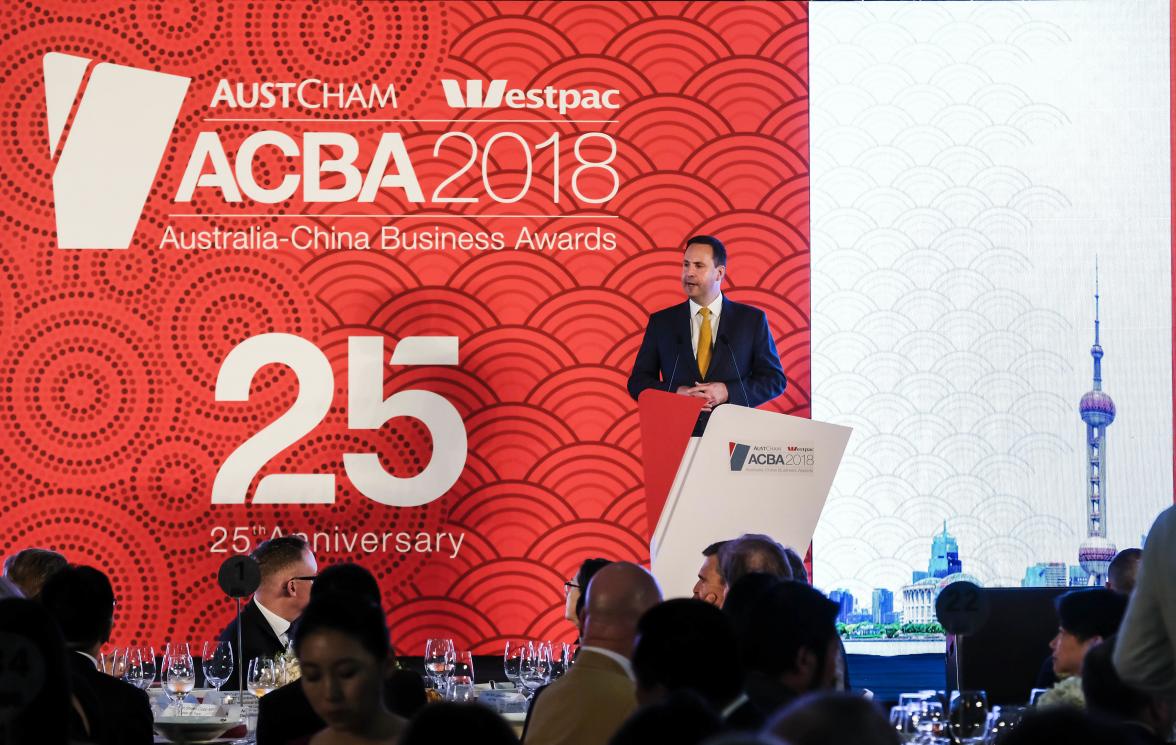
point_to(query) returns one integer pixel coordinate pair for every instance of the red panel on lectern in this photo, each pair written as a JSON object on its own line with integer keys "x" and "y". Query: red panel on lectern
{"x": 667, "y": 421}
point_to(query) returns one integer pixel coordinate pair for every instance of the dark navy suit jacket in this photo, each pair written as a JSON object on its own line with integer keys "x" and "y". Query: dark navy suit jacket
{"x": 744, "y": 356}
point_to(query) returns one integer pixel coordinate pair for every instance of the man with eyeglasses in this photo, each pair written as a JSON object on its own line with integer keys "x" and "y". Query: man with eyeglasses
{"x": 288, "y": 570}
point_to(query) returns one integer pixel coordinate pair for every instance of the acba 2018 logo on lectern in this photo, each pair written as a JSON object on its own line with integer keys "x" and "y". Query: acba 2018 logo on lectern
{"x": 774, "y": 457}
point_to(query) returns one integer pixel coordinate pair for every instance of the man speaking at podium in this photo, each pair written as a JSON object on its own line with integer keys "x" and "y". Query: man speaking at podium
{"x": 708, "y": 346}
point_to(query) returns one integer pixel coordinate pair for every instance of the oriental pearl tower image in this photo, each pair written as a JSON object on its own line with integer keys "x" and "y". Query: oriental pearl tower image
{"x": 1098, "y": 411}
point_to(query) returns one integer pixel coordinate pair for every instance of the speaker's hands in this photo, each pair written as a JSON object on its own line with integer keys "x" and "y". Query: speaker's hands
{"x": 714, "y": 393}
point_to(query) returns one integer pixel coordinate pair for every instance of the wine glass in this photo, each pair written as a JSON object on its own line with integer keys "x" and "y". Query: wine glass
{"x": 561, "y": 658}
{"x": 133, "y": 669}
{"x": 535, "y": 668}
{"x": 930, "y": 726}
{"x": 969, "y": 716}
{"x": 1002, "y": 719}
{"x": 218, "y": 663}
{"x": 179, "y": 673}
{"x": 512, "y": 658}
{"x": 113, "y": 662}
{"x": 144, "y": 658}
{"x": 461, "y": 680}
{"x": 262, "y": 676}
{"x": 439, "y": 660}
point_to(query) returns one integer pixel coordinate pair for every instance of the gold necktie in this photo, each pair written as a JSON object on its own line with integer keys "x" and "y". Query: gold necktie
{"x": 704, "y": 341}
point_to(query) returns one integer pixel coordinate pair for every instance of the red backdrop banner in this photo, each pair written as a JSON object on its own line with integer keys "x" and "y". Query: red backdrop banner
{"x": 573, "y": 211}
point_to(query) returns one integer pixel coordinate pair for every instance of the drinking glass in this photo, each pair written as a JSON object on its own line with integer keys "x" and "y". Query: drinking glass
{"x": 439, "y": 660}
{"x": 535, "y": 668}
{"x": 262, "y": 676}
{"x": 969, "y": 716}
{"x": 930, "y": 725}
{"x": 218, "y": 663}
{"x": 133, "y": 669}
{"x": 512, "y": 659}
{"x": 113, "y": 662}
{"x": 179, "y": 674}
{"x": 463, "y": 668}
{"x": 1001, "y": 720}
{"x": 144, "y": 659}
{"x": 561, "y": 658}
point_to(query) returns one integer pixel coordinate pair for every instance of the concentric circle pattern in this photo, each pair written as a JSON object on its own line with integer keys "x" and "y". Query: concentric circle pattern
{"x": 110, "y": 432}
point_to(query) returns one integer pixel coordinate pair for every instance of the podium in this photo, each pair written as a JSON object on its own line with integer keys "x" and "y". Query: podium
{"x": 752, "y": 471}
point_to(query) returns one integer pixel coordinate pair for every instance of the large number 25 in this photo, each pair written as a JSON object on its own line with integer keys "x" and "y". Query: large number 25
{"x": 366, "y": 409}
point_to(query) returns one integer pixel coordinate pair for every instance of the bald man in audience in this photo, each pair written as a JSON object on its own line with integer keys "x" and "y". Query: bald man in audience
{"x": 588, "y": 704}
{"x": 1123, "y": 569}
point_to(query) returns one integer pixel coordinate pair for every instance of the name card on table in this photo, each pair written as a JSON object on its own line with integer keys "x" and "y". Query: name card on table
{"x": 193, "y": 710}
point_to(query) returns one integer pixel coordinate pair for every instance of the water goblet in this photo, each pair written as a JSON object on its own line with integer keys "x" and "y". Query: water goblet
{"x": 218, "y": 663}
{"x": 438, "y": 660}
{"x": 561, "y": 658}
{"x": 512, "y": 659}
{"x": 535, "y": 668}
{"x": 262, "y": 676}
{"x": 179, "y": 673}
{"x": 147, "y": 666}
{"x": 968, "y": 716}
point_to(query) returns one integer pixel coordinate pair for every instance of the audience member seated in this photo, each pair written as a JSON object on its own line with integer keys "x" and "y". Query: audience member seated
{"x": 1085, "y": 618}
{"x": 588, "y": 704}
{"x": 1062, "y": 725}
{"x": 284, "y": 715}
{"x": 743, "y": 738}
{"x": 750, "y": 553}
{"x": 342, "y": 646}
{"x": 833, "y": 719}
{"x": 796, "y": 564}
{"x": 30, "y": 568}
{"x": 1144, "y": 718}
{"x": 574, "y": 590}
{"x": 112, "y": 712}
{"x": 711, "y": 587}
{"x": 788, "y": 645}
{"x": 39, "y": 710}
{"x": 1145, "y": 654}
{"x": 686, "y": 644}
{"x": 1123, "y": 570}
{"x": 460, "y": 724}
{"x": 288, "y": 569}
{"x": 681, "y": 718}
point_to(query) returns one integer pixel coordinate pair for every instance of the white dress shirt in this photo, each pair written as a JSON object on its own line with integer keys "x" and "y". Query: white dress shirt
{"x": 716, "y": 307}
{"x": 620, "y": 659}
{"x": 280, "y": 625}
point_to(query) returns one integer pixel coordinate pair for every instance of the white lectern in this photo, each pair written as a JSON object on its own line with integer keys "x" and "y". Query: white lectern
{"x": 752, "y": 471}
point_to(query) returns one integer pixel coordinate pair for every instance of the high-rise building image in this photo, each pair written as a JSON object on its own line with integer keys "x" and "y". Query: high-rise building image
{"x": 1098, "y": 411}
{"x": 882, "y": 606}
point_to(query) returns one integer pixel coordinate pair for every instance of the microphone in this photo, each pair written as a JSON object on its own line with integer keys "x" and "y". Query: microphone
{"x": 727, "y": 344}
{"x": 677, "y": 355}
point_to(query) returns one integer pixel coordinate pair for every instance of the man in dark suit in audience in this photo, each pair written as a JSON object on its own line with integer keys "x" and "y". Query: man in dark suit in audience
{"x": 112, "y": 712}
{"x": 1145, "y": 718}
{"x": 284, "y": 715}
{"x": 709, "y": 346}
{"x": 788, "y": 645}
{"x": 288, "y": 570}
{"x": 591, "y": 701}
